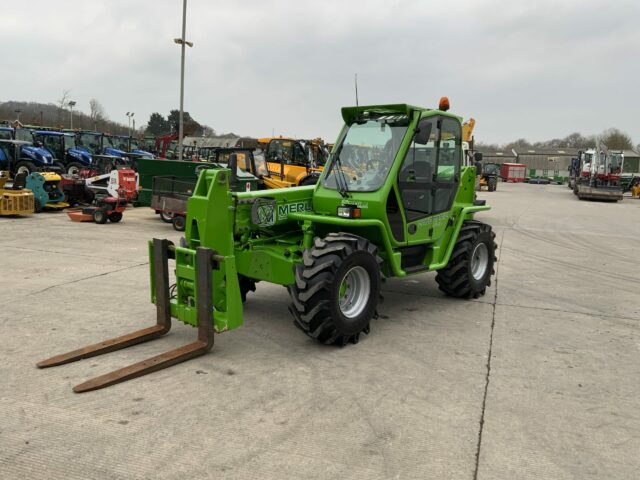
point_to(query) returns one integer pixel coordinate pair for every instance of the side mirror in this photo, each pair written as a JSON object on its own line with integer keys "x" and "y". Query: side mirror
{"x": 423, "y": 134}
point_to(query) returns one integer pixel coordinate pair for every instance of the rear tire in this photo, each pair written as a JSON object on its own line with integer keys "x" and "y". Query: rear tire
{"x": 179, "y": 222}
{"x": 37, "y": 205}
{"x": 469, "y": 271}
{"x": 337, "y": 289}
{"x": 100, "y": 216}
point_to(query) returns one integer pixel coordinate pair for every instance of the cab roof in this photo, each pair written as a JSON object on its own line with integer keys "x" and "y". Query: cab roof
{"x": 51, "y": 132}
{"x": 349, "y": 114}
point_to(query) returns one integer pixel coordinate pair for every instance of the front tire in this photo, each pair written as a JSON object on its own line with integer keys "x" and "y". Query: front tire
{"x": 74, "y": 168}
{"x": 246, "y": 285}
{"x": 166, "y": 217}
{"x": 25, "y": 167}
{"x": 469, "y": 271}
{"x": 337, "y": 289}
{"x": 115, "y": 217}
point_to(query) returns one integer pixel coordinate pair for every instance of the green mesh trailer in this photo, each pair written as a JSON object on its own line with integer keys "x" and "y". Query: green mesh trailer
{"x": 148, "y": 168}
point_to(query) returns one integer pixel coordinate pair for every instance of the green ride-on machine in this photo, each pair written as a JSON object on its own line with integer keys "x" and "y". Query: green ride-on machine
{"x": 393, "y": 200}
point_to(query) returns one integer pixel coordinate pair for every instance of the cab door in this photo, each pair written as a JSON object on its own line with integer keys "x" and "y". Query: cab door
{"x": 427, "y": 184}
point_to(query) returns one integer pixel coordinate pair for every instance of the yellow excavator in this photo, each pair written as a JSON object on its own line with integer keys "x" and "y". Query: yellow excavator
{"x": 292, "y": 162}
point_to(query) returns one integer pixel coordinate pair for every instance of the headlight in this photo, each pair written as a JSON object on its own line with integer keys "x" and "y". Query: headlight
{"x": 349, "y": 211}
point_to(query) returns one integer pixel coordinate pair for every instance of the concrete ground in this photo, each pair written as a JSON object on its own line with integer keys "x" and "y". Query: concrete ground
{"x": 537, "y": 379}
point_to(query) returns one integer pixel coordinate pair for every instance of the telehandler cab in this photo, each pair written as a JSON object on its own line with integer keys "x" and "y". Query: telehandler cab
{"x": 393, "y": 200}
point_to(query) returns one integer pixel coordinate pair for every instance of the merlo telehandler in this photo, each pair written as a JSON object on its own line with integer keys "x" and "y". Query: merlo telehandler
{"x": 393, "y": 200}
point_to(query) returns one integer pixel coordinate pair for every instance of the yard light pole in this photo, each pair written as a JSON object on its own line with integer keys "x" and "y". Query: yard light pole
{"x": 17, "y": 112}
{"x": 71, "y": 105}
{"x": 130, "y": 117}
{"x": 182, "y": 42}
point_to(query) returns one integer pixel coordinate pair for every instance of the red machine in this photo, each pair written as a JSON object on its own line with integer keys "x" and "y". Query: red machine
{"x": 112, "y": 191}
{"x": 513, "y": 172}
{"x": 162, "y": 143}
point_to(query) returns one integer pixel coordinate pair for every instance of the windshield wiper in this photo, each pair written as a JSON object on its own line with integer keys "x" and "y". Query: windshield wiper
{"x": 344, "y": 189}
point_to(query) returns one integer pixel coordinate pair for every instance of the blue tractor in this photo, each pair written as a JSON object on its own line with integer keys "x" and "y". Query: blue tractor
{"x": 32, "y": 156}
{"x": 67, "y": 157}
{"x": 123, "y": 146}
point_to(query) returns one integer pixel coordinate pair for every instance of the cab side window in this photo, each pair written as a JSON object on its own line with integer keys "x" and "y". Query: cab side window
{"x": 448, "y": 169}
{"x": 428, "y": 177}
{"x": 415, "y": 179}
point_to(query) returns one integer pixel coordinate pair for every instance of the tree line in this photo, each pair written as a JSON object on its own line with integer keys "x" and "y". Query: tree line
{"x": 58, "y": 115}
{"x": 613, "y": 138}
{"x": 160, "y": 125}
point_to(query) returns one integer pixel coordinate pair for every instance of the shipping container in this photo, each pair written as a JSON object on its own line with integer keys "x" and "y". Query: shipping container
{"x": 513, "y": 172}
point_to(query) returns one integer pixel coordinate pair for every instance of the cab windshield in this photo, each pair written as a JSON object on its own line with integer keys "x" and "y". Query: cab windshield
{"x": 90, "y": 141}
{"x": 615, "y": 163}
{"x": 135, "y": 145}
{"x": 118, "y": 143}
{"x": 362, "y": 160}
{"x": 491, "y": 168}
{"x": 5, "y": 135}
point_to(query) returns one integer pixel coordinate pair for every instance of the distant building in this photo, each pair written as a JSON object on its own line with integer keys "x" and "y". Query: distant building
{"x": 546, "y": 162}
{"x": 498, "y": 156}
{"x": 224, "y": 141}
{"x": 550, "y": 162}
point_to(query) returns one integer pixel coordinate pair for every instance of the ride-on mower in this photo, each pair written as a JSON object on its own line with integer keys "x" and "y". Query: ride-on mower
{"x": 407, "y": 210}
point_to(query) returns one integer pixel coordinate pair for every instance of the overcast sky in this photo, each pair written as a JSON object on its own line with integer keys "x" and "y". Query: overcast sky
{"x": 523, "y": 68}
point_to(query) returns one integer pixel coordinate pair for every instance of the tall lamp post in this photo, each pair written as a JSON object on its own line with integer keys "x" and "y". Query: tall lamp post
{"x": 71, "y": 105}
{"x": 130, "y": 116}
{"x": 182, "y": 42}
{"x": 17, "y": 112}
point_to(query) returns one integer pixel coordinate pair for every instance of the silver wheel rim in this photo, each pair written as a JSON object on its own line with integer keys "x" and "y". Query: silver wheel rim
{"x": 23, "y": 169}
{"x": 73, "y": 170}
{"x": 354, "y": 292}
{"x": 479, "y": 261}
{"x": 167, "y": 216}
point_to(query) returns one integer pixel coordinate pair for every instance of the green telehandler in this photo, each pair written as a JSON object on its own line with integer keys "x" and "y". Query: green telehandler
{"x": 393, "y": 200}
